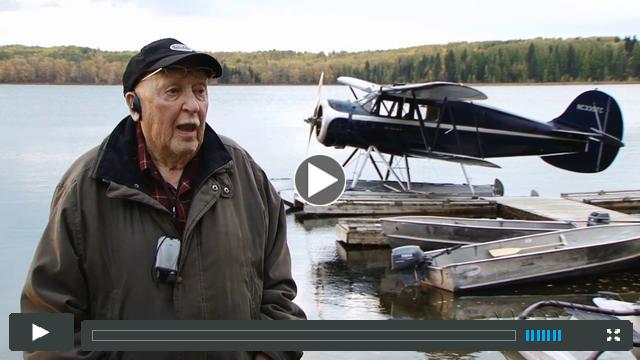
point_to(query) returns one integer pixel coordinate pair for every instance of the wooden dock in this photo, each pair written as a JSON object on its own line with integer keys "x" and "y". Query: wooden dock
{"x": 442, "y": 190}
{"x": 370, "y": 258}
{"x": 623, "y": 201}
{"x": 400, "y": 204}
{"x": 541, "y": 208}
{"x": 367, "y": 231}
{"x": 361, "y": 231}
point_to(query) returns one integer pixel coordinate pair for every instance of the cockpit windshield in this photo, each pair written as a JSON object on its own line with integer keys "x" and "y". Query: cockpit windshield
{"x": 367, "y": 102}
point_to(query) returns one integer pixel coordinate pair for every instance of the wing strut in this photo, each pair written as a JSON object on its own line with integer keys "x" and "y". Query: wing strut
{"x": 353, "y": 92}
{"x": 475, "y": 119}
{"x": 455, "y": 127}
{"x": 386, "y": 176}
{"x": 375, "y": 166}
{"x": 421, "y": 120}
{"x": 406, "y": 166}
{"x": 464, "y": 171}
{"x": 439, "y": 121}
{"x": 346, "y": 162}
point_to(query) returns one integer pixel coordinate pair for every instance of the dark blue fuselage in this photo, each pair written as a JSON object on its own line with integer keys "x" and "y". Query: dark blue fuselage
{"x": 464, "y": 129}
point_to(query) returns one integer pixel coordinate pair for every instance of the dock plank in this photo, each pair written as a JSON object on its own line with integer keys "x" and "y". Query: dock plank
{"x": 621, "y": 200}
{"x": 543, "y": 208}
{"x": 376, "y": 206}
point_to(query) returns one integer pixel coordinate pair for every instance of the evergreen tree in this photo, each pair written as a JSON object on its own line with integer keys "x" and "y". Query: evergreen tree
{"x": 437, "y": 65}
{"x": 532, "y": 64}
{"x": 634, "y": 63}
{"x": 450, "y": 66}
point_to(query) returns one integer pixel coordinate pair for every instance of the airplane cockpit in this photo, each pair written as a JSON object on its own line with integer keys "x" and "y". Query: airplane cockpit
{"x": 401, "y": 108}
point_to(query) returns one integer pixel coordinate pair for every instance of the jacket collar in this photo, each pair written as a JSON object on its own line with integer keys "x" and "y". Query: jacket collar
{"x": 117, "y": 159}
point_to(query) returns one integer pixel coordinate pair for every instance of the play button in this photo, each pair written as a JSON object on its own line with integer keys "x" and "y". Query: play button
{"x": 32, "y": 332}
{"x": 37, "y": 332}
{"x": 320, "y": 180}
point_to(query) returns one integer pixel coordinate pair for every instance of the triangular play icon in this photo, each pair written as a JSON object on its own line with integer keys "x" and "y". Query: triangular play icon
{"x": 318, "y": 180}
{"x": 37, "y": 332}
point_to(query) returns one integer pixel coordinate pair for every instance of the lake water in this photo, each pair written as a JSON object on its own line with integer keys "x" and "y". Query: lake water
{"x": 44, "y": 128}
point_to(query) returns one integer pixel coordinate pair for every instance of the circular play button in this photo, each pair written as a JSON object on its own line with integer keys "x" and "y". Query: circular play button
{"x": 320, "y": 180}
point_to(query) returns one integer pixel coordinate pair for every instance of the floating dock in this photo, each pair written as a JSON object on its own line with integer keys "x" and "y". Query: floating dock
{"x": 382, "y": 198}
{"x": 361, "y": 231}
{"x": 623, "y": 200}
{"x": 426, "y": 188}
{"x": 370, "y": 258}
{"x": 399, "y": 204}
{"x": 542, "y": 208}
{"x": 369, "y": 232}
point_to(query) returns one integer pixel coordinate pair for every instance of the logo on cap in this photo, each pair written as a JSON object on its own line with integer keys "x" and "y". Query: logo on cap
{"x": 180, "y": 47}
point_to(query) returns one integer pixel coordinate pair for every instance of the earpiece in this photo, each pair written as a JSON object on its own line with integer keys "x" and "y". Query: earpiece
{"x": 136, "y": 105}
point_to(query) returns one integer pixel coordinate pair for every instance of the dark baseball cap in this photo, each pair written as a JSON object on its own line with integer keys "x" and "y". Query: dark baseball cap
{"x": 163, "y": 53}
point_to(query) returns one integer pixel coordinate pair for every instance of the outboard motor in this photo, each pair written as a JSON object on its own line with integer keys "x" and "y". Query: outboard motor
{"x": 412, "y": 263}
{"x": 598, "y": 218}
{"x": 409, "y": 262}
{"x": 406, "y": 257}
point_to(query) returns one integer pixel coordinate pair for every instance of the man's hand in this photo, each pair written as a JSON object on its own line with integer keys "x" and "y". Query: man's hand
{"x": 262, "y": 356}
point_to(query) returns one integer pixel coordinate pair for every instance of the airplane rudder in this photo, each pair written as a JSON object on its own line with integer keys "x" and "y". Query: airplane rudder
{"x": 592, "y": 112}
{"x": 592, "y": 109}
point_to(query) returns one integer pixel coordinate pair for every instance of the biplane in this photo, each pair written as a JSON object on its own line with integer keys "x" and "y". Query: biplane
{"x": 441, "y": 120}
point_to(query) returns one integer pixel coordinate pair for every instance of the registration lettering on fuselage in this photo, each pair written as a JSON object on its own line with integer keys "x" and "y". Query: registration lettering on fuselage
{"x": 590, "y": 108}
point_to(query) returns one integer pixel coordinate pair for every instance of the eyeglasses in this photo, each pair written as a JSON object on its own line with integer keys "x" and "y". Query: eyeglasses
{"x": 181, "y": 71}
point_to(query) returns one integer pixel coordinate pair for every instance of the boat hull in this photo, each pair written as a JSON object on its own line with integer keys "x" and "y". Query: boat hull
{"x": 432, "y": 232}
{"x": 564, "y": 261}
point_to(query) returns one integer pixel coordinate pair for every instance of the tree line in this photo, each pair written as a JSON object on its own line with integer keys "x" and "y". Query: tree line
{"x": 533, "y": 60}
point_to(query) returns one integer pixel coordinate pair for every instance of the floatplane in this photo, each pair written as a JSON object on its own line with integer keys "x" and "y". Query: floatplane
{"x": 441, "y": 120}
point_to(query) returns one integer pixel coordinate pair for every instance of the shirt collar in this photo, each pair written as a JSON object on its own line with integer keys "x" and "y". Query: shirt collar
{"x": 117, "y": 158}
{"x": 148, "y": 168}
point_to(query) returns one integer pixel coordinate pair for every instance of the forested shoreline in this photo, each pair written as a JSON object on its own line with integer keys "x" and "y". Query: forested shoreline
{"x": 596, "y": 59}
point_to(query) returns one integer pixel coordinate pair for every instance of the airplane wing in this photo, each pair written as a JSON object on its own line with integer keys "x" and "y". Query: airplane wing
{"x": 462, "y": 159}
{"x": 436, "y": 91}
{"x": 359, "y": 84}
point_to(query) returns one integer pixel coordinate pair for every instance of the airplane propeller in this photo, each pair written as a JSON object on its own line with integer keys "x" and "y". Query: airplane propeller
{"x": 314, "y": 118}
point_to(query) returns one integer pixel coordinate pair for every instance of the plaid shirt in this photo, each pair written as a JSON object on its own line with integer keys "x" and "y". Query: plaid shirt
{"x": 175, "y": 200}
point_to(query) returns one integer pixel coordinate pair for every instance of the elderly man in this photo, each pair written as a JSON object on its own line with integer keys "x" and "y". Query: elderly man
{"x": 165, "y": 219}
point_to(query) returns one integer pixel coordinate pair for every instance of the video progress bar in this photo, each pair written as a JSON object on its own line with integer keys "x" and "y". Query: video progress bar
{"x": 353, "y": 335}
{"x": 328, "y": 335}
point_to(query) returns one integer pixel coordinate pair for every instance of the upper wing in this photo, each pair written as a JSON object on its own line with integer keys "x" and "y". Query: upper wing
{"x": 462, "y": 159}
{"x": 359, "y": 84}
{"x": 436, "y": 91}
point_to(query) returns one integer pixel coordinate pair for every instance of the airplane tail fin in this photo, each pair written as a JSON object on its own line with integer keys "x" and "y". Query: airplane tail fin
{"x": 598, "y": 116}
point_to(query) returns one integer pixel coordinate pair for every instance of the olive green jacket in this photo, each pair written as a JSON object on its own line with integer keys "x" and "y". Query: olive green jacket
{"x": 96, "y": 255}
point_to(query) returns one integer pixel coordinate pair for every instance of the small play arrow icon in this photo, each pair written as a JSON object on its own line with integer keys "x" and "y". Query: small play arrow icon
{"x": 318, "y": 180}
{"x": 37, "y": 332}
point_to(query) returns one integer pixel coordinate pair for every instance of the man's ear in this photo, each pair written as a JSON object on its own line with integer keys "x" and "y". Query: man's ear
{"x": 133, "y": 103}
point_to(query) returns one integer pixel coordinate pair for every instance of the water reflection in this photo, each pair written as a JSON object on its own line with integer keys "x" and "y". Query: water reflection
{"x": 349, "y": 284}
{"x": 346, "y": 282}
{"x": 437, "y": 304}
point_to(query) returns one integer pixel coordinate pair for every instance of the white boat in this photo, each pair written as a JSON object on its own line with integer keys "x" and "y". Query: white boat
{"x": 558, "y": 254}
{"x": 434, "y": 232}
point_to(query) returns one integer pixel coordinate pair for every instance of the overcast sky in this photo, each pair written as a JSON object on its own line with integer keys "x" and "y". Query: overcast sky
{"x": 325, "y": 25}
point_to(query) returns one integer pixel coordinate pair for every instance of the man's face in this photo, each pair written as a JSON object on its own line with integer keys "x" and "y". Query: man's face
{"x": 174, "y": 112}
